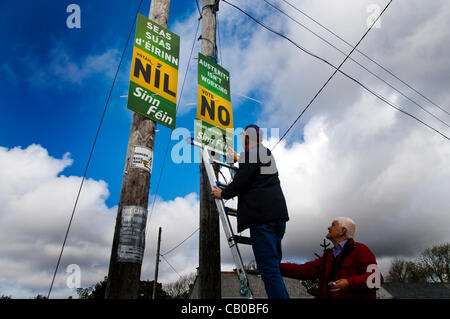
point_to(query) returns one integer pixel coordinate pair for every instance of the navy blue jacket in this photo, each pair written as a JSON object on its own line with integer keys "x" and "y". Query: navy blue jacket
{"x": 260, "y": 198}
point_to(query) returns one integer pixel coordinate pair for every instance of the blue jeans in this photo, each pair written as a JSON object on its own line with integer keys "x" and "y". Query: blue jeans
{"x": 266, "y": 244}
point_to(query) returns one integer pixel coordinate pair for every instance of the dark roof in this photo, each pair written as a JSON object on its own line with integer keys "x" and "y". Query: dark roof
{"x": 417, "y": 291}
{"x": 230, "y": 286}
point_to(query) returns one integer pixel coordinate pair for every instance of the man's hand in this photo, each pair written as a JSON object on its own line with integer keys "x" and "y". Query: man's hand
{"x": 216, "y": 192}
{"x": 340, "y": 285}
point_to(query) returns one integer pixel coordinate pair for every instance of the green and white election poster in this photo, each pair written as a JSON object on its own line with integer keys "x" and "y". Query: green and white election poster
{"x": 154, "y": 72}
{"x": 214, "y": 121}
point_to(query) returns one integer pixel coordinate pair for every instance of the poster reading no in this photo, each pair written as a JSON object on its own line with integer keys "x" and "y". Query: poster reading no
{"x": 214, "y": 123}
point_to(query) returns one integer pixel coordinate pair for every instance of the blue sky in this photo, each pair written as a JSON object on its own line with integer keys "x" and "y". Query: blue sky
{"x": 350, "y": 154}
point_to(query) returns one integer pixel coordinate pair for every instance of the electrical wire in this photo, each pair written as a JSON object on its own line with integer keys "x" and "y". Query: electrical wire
{"x": 92, "y": 150}
{"x": 359, "y": 64}
{"x": 171, "y": 266}
{"x": 366, "y": 56}
{"x": 182, "y": 242}
{"x": 336, "y": 70}
{"x": 199, "y": 11}
{"x": 218, "y": 36}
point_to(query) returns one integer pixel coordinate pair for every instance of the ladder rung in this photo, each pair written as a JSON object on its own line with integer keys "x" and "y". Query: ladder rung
{"x": 227, "y": 165}
{"x": 221, "y": 185}
{"x": 242, "y": 240}
{"x": 230, "y": 211}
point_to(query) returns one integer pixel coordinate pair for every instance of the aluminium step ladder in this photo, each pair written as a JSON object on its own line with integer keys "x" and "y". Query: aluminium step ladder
{"x": 224, "y": 212}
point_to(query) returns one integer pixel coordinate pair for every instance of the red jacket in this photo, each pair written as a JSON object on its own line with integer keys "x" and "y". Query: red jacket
{"x": 350, "y": 264}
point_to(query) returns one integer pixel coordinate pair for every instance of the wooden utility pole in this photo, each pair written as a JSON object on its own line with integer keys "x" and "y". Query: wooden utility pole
{"x": 155, "y": 282}
{"x": 124, "y": 274}
{"x": 209, "y": 277}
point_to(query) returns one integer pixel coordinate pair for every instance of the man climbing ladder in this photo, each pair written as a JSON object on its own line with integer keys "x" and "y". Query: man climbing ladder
{"x": 261, "y": 207}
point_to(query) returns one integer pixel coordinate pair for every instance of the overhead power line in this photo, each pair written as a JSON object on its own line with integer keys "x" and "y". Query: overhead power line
{"x": 367, "y": 57}
{"x": 92, "y": 149}
{"x": 337, "y": 69}
{"x": 171, "y": 266}
{"x": 199, "y": 11}
{"x": 358, "y": 63}
{"x": 220, "y": 41}
{"x": 182, "y": 242}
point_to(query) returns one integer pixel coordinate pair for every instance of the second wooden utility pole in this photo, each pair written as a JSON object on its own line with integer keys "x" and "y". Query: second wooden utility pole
{"x": 125, "y": 266}
{"x": 209, "y": 276}
{"x": 155, "y": 282}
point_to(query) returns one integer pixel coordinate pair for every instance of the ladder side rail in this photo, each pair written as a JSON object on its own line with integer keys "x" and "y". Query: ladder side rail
{"x": 240, "y": 270}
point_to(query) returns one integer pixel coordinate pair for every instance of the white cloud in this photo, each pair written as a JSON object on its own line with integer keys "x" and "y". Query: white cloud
{"x": 394, "y": 186}
{"x": 36, "y": 205}
{"x": 64, "y": 68}
{"x": 178, "y": 218}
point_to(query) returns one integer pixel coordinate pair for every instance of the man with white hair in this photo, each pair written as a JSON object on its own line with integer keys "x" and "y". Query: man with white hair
{"x": 344, "y": 270}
